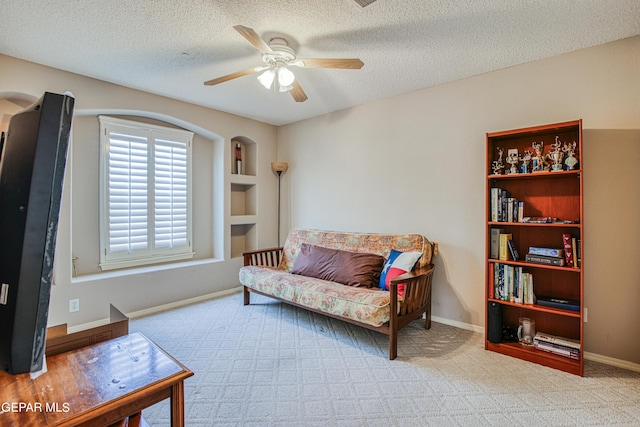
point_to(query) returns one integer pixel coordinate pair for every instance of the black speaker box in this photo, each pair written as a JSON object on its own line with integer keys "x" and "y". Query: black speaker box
{"x": 494, "y": 328}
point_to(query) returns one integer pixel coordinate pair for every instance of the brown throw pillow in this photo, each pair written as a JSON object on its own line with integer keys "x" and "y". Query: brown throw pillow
{"x": 349, "y": 268}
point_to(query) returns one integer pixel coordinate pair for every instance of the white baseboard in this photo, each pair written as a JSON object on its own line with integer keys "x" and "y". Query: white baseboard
{"x": 88, "y": 325}
{"x": 461, "y": 325}
{"x": 156, "y": 309}
{"x": 172, "y": 305}
{"x": 612, "y": 361}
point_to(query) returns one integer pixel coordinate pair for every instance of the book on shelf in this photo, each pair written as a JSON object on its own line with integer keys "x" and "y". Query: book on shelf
{"x": 556, "y": 349}
{"x": 494, "y": 203}
{"x": 494, "y": 245}
{"x": 542, "y": 259}
{"x": 512, "y": 209}
{"x": 537, "y": 219}
{"x": 503, "y": 253}
{"x": 529, "y": 296}
{"x": 563, "y": 304}
{"x": 520, "y": 211}
{"x": 567, "y": 241}
{"x": 558, "y": 253}
{"x": 502, "y": 211}
{"x": 557, "y": 340}
{"x": 512, "y": 250}
{"x": 499, "y": 282}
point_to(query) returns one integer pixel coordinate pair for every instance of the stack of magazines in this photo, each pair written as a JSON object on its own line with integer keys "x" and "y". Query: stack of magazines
{"x": 557, "y": 345}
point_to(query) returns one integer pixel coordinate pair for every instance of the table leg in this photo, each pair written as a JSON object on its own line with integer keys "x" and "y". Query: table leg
{"x": 177, "y": 405}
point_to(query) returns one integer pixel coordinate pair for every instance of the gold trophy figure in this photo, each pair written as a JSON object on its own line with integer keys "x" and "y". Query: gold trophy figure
{"x": 555, "y": 155}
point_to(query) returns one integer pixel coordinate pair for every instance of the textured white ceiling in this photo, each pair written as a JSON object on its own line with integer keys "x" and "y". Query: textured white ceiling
{"x": 170, "y": 47}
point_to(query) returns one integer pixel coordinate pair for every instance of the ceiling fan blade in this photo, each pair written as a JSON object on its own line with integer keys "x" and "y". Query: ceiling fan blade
{"x": 253, "y": 38}
{"x": 345, "y": 63}
{"x": 297, "y": 92}
{"x": 234, "y": 76}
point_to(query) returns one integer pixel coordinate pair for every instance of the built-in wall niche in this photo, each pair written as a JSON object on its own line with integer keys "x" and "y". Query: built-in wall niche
{"x": 243, "y": 198}
{"x": 244, "y": 150}
{"x": 243, "y": 238}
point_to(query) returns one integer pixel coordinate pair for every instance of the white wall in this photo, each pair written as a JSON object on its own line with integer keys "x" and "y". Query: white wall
{"x": 416, "y": 163}
{"x": 139, "y": 289}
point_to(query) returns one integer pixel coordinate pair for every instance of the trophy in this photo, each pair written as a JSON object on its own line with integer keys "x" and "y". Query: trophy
{"x": 512, "y": 159}
{"x": 496, "y": 165}
{"x": 525, "y": 159}
{"x": 539, "y": 165}
{"x": 571, "y": 161}
{"x": 555, "y": 155}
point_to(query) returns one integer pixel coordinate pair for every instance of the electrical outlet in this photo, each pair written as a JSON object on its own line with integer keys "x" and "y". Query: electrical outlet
{"x": 74, "y": 305}
{"x": 585, "y": 315}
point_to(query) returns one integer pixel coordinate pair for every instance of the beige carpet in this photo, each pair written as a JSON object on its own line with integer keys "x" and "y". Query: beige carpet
{"x": 270, "y": 364}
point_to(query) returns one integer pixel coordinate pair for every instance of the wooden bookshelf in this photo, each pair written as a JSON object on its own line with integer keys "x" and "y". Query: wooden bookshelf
{"x": 555, "y": 194}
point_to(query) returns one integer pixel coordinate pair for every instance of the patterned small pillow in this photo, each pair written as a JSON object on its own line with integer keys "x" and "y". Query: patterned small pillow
{"x": 398, "y": 263}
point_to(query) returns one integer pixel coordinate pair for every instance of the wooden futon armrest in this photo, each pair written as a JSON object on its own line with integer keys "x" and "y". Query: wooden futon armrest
{"x": 263, "y": 257}
{"x": 417, "y": 289}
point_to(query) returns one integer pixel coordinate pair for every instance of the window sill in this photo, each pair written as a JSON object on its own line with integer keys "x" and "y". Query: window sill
{"x": 138, "y": 262}
{"x": 142, "y": 270}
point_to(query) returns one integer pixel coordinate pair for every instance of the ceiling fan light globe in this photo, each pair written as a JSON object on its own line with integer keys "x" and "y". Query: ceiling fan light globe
{"x": 266, "y": 79}
{"x": 285, "y": 77}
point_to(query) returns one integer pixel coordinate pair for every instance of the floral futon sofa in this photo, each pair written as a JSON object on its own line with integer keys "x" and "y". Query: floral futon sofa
{"x": 378, "y": 281}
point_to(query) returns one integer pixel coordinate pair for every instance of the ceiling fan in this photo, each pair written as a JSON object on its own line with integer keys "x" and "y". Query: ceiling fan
{"x": 278, "y": 57}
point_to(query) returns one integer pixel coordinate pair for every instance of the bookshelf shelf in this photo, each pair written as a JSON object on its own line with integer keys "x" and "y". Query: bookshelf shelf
{"x": 535, "y": 307}
{"x": 533, "y": 224}
{"x": 537, "y": 175}
{"x": 543, "y": 194}
{"x": 534, "y": 265}
{"x": 538, "y": 356}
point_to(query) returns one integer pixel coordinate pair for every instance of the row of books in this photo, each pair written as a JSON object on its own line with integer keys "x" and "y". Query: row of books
{"x": 502, "y": 247}
{"x": 505, "y": 208}
{"x": 570, "y": 256}
{"x": 511, "y": 283}
{"x": 557, "y": 345}
{"x": 546, "y": 256}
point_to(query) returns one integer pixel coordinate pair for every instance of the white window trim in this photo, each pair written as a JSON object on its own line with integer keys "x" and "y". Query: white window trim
{"x": 116, "y": 260}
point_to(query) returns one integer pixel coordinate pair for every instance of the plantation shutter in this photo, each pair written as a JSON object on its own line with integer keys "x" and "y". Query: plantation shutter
{"x": 145, "y": 214}
{"x": 128, "y": 195}
{"x": 170, "y": 207}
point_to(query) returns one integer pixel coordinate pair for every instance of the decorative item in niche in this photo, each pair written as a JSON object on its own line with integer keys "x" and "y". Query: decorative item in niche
{"x": 238, "y": 157}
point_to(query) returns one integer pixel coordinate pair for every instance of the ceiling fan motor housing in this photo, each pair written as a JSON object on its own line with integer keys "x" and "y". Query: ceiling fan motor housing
{"x": 282, "y": 53}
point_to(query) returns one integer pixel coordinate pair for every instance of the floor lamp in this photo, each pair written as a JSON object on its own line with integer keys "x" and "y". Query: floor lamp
{"x": 279, "y": 168}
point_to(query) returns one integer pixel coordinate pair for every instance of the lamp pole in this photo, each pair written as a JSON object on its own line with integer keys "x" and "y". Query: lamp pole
{"x": 279, "y": 168}
{"x": 279, "y": 175}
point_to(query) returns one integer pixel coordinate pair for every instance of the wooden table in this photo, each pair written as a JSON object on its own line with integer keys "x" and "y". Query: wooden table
{"x": 97, "y": 385}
